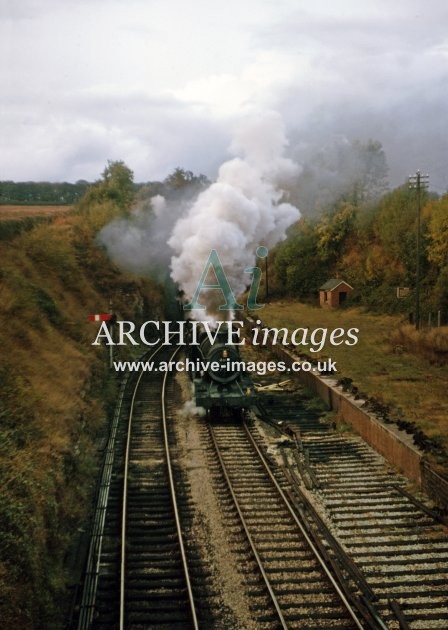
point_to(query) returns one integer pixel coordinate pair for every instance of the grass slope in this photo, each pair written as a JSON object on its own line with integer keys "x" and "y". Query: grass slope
{"x": 387, "y": 363}
{"x": 54, "y": 388}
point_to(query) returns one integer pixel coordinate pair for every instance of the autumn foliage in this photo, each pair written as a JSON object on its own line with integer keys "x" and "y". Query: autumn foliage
{"x": 371, "y": 245}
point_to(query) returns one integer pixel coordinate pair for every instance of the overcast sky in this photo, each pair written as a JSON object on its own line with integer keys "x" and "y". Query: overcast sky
{"x": 162, "y": 83}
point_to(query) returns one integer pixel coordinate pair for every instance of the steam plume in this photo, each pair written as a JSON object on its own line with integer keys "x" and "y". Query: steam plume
{"x": 138, "y": 243}
{"x": 242, "y": 210}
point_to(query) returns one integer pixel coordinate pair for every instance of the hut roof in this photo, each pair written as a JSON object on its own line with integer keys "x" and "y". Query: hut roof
{"x": 332, "y": 284}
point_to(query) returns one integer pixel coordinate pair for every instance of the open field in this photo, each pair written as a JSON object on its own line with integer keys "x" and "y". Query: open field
{"x": 414, "y": 388}
{"x": 8, "y": 212}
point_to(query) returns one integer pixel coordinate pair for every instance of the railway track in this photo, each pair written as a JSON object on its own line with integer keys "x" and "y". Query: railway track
{"x": 300, "y": 590}
{"x": 368, "y": 554}
{"x": 138, "y": 575}
{"x": 394, "y": 538}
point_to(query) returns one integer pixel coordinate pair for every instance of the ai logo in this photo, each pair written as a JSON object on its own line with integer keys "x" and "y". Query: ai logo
{"x": 223, "y": 285}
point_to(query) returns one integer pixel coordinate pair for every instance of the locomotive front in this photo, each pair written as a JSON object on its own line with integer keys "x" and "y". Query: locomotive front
{"x": 227, "y": 357}
{"x": 222, "y": 385}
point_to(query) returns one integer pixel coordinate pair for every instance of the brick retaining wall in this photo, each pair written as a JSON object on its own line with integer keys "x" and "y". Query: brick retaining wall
{"x": 396, "y": 446}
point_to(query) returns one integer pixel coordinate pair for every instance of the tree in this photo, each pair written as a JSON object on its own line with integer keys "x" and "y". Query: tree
{"x": 116, "y": 189}
{"x": 333, "y": 229}
{"x": 118, "y": 183}
{"x": 396, "y": 228}
{"x": 355, "y": 172}
{"x": 179, "y": 178}
{"x": 371, "y": 175}
{"x": 297, "y": 269}
{"x": 437, "y": 213}
{"x": 182, "y": 183}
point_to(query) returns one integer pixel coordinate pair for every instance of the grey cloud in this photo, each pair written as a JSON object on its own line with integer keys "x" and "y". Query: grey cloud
{"x": 380, "y": 75}
{"x": 405, "y": 25}
{"x": 75, "y": 137}
{"x": 377, "y": 72}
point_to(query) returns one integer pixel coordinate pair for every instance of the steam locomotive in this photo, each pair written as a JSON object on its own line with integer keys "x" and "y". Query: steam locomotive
{"x": 221, "y": 384}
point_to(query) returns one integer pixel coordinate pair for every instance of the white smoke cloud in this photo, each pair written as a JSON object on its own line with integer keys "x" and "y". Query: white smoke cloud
{"x": 159, "y": 205}
{"x": 190, "y": 409}
{"x": 139, "y": 243}
{"x": 243, "y": 209}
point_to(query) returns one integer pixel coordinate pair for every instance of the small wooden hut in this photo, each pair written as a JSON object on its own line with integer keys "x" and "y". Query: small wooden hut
{"x": 334, "y": 292}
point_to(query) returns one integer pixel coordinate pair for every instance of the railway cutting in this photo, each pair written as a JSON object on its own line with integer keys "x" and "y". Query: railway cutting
{"x": 273, "y": 519}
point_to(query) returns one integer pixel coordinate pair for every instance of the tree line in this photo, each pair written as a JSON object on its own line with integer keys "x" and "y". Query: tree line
{"x": 41, "y": 193}
{"x": 366, "y": 235}
{"x": 117, "y": 182}
{"x": 373, "y": 246}
{"x": 352, "y": 226}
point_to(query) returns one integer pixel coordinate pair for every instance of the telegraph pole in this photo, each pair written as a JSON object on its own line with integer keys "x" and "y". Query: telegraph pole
{"x": 262, "y": 252}
{"x": 419, "y": 182}
{"x": 267, "y": 278}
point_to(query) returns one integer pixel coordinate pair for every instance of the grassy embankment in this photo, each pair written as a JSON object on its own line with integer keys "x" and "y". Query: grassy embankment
{"x": 54, "y": 394}
{"x": 390, "y": 362}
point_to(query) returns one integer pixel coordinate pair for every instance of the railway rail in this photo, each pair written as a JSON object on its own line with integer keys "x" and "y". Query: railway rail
{"x": 394, "y": 540}
{"x": 137, "y": 572}
{"x": 303, "y": 592}
{"x": 325, "y": 534}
